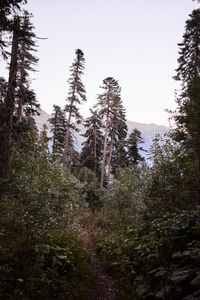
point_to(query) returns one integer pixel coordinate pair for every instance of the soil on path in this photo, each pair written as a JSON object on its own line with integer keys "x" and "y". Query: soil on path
{"x": 105, "y": 286}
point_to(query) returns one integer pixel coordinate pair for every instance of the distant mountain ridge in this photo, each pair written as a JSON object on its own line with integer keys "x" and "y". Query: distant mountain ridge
{"x": 43, "y": 119}
{"x": 148, "y": 130}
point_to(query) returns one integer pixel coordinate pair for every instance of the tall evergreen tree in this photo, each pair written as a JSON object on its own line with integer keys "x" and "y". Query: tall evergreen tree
{"x": 119, "y": 156}
{"x": 117, "y": 135}
{"x": 8, "y": 10}
{"x": 187, "y": 116}
{"x": 133, "y": 148}
{"x": 21, "y": 46}
{"x": 6, "y": 120}
{"x": 76, "y": 96}
{"x": 58, "y": 128}
{"x": 92, "y": 147}
{"x": 110, "y": 90}
{"x": 43, "y": 140}
{"x": 155, "y": 150}
{"x": 111, "y": 111}
{"x": 26, "y": 104}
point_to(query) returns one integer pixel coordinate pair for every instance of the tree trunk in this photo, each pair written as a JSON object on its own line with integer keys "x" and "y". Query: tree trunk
{"x": 21, "y": 88}
{"x": 7, "y": 115}
{"x": 104, "y": 152}
{"x": 66, "y": 151}
{"x": 55, "y": 133}
{"x": 198, "y": 191}
{"x": 95, "y": 151}
{"x": 109, "y": 159}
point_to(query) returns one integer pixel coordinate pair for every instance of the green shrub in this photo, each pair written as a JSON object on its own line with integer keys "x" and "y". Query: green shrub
{"x": 160, "y": 259}
{"x": 54, "y": 266}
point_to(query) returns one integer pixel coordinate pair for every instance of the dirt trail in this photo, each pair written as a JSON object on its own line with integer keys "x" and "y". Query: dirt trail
{"x": 105, "y": 287}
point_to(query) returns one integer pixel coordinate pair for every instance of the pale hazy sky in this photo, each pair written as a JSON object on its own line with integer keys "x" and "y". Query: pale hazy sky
{"x": 134, "y": 41}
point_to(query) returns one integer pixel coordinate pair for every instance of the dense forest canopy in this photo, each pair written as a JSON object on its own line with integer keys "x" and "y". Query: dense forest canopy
{"x": 72, "y": 221}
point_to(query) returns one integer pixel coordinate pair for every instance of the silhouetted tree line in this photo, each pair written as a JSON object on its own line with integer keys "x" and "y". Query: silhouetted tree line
{"x": 107, "y": 145}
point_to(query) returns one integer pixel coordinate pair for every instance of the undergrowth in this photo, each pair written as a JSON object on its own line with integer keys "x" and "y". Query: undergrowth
{"x": 52, "y": 266}
{"x": 155, "y": 260}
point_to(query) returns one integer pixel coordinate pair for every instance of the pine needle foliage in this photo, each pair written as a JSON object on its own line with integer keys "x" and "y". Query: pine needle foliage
{"x": 76, "y": 96}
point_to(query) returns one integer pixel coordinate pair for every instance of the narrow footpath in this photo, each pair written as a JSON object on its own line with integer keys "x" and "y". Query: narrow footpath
{"x": 105, "y": 286}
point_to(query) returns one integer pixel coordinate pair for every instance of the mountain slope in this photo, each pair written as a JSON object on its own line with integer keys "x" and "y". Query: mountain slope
{"x": 43, "y": 119}
{"x": 148, "y": 130}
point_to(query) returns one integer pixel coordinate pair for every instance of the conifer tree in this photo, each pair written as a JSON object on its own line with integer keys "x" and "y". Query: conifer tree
{"x": 155, "y": 150}
{"x": 110, "y": 109}
{"x": 187, "y": 116}
{"x": 117, "y": 135}
{"x": 92, "y": 147}
{"x": 76, "y": 96}
{"x": 6, "y": 120}
{"x": 110, "y": 90}
{"x": 119, "y": 156}
{"x": 43, "y": 140}
{"x": 8, "y": 10}
{"x": 22, "y": 45}
{"x": 26, "y": 103}
{"x": 133, "y": 148}
{"x": 58, "y": 128}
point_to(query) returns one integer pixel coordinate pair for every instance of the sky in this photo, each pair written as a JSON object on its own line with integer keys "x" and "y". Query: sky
{"x": 133, "y": 41}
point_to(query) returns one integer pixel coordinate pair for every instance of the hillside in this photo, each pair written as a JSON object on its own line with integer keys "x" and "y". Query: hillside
{"x": 148, "y": 130}
{"x": 43, "y": 119}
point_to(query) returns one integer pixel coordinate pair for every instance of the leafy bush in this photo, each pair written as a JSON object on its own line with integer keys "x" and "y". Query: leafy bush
{"x": 40, "y": 257}
{"x": 54, "y": 266}
{"x": 41, "y": 194}
{"x": 126, "y": 195}
{"x": 157, "y": 260}
{"x": 91, "y": 187}
{"x": 173, "y": 181}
